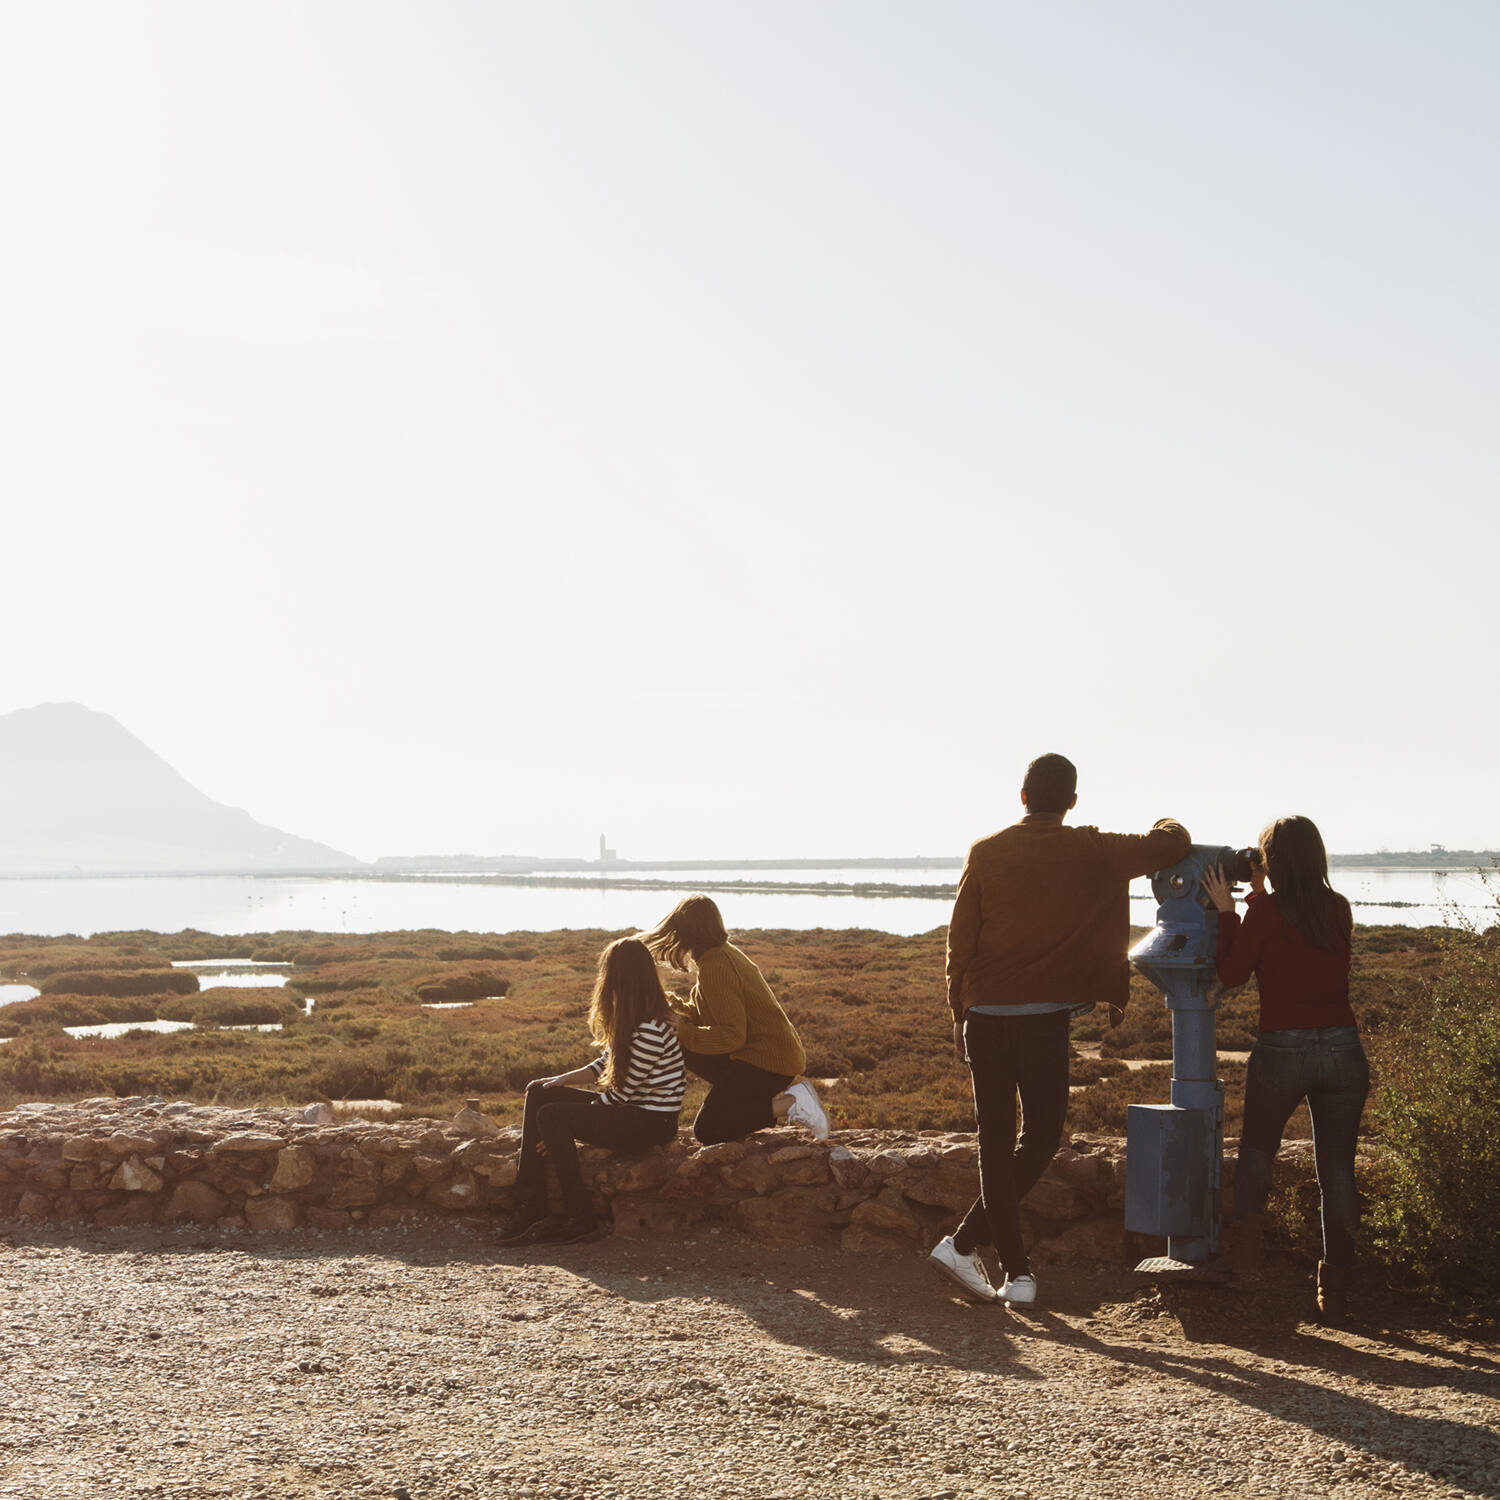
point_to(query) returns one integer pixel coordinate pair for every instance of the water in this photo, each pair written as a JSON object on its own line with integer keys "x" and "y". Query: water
{"x": 236, "y": 973}
{"x": 236, "y": 905}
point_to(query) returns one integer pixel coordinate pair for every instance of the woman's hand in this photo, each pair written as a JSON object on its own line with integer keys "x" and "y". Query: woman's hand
{"x": 1217, "y": 888}
{"x": 958, "y": 1041}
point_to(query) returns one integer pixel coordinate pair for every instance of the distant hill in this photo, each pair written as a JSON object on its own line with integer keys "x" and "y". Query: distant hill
{"x": 80, "y": 794}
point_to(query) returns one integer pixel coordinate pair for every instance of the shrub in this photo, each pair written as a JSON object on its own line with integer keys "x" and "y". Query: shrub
{"x": 475, "y": 985}
{"x": 106, "y": 982}
{"x": 1436, "y": 1214}
{"x": 226, "y": 1006}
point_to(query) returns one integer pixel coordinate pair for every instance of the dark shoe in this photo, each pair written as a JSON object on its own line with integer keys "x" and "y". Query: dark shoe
{"x": 1333, "y": 1292}
{"x": 522, "y": 1225}
{"x": 568, "y": 1229}
{"x": 1245, "y": 1245}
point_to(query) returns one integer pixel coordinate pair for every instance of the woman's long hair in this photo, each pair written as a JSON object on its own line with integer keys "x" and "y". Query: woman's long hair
{"x": 689, "y": 930}
{"x": 626, "y": 992}
{"x": 1297, "y": 863}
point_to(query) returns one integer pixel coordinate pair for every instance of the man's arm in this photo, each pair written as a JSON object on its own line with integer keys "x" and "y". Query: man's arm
{"x": 1133, "y": 854}
{"x": 963, "y": 935}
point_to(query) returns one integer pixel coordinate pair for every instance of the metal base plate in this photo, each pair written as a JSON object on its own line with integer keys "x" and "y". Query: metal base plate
{"x": 1165, "y": 1268}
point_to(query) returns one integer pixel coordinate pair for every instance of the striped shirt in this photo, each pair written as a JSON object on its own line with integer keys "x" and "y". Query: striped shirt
{"x": 654, "y": 1080}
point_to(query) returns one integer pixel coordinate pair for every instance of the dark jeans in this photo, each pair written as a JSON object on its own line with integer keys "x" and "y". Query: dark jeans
{"x": 1327, "y": 1067}
{"x": 561, "y": 1117}
{"x": 1010, "y": 1055}
{"x": 739, "y": 1099}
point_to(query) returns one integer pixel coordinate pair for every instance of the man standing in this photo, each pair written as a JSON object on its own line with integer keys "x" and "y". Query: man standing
{"x": 1039, "y": 934}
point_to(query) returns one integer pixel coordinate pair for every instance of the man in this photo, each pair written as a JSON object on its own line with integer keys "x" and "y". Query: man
{"x": 1039, "y": 934}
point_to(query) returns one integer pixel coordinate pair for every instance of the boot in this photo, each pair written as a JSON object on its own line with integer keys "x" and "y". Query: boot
{"x": 1333, "y": 1292}
{"x": 1244, "y": 1245}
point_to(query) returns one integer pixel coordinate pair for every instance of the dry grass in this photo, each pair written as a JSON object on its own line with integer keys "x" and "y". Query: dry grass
{"x": 869, "y": 1007}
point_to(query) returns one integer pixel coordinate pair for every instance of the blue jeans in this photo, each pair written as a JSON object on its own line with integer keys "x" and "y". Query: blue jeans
{"x": 1327, "y": 1067}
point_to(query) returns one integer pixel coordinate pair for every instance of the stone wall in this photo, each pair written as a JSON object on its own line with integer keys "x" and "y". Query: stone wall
{"x": 144, "y": 1161}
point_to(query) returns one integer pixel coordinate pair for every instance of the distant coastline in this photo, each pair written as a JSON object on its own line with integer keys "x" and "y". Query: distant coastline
{"x": 635, "y": 873}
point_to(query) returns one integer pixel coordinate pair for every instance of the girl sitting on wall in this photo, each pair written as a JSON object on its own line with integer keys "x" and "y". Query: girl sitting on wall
{"x": 1296, "y": 940}
{"x": 628, "y": 1097}
{"x": 733, "y": 1031}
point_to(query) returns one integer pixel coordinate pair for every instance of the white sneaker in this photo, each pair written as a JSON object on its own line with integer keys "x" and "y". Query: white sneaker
{"x": 1018, "y": 1289}
{"x": 967, "y": 1270}
{"x": 807, "y": 1109}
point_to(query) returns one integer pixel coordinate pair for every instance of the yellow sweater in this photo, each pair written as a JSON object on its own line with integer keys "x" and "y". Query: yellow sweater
{"x": 733, "y": 1011}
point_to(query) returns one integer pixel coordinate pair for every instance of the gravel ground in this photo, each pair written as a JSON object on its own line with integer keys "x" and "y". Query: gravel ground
{"x": 428, "y": 1364}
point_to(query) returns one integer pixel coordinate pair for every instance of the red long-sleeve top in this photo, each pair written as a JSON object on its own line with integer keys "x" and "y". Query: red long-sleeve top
{"x": 1300, "y": 985}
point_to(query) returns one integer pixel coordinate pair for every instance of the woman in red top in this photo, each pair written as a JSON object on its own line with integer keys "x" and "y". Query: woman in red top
{"x": 1295, "y": 939}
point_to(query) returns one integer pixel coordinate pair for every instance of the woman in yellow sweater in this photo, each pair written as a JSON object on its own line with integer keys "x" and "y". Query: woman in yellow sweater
{"x": 733, "y": 1031}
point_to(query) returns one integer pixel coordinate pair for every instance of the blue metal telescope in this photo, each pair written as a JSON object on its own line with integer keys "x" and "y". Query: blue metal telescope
{"x": 1174, "y": 1152}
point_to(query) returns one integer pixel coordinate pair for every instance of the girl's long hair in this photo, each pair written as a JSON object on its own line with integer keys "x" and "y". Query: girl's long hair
{"x": 1297, "y": 864}
{"x": 689, "y": 930}
{"x": 626, "y": 992}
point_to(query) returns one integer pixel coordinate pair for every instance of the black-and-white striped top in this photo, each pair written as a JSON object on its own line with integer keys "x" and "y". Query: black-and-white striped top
{"x": 654, "y": 1080}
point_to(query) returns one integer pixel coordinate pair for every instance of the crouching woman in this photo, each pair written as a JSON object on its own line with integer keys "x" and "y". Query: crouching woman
{"x": 733, "y": 1031}
{"x": 628, "y": 1098}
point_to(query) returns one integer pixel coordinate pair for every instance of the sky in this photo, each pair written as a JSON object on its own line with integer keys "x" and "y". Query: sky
{"x": 758, "y": 430}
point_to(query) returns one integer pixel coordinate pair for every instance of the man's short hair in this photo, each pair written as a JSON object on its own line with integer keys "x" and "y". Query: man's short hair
{"x": 1050, "y": 785}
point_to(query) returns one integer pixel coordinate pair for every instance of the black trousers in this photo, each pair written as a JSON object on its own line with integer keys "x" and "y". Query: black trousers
{"x": 561, "y": 1117}
{"x": 1010, "y": 1056}
{"x": 739, "y": 1097}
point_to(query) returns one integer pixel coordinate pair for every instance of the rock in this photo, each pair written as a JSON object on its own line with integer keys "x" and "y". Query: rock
{"x": 134, "y": 1176}
{"x": 357, "y": 1185}
{"x": 1054, "y": 1200}
{"x": 244, "y": 1141}
{"x": 716, "y": 1155}
{"x": 318, "y": 1114}
{"x": 886, "y": 1164}
{"x": 849, "y": 1171}
{"x": 139, "y": 1208}
{"x": 805, "y": 1171}
{"x": 877, "y": 1216}
{"x": 458, "y": 1194}
{"x": 469, "y": 1121}
{"x": 273, "y": 1214}
{"x": 1096, "y": 1239}
{"x": 89, "y": 1148}
{"x": 430, "y": 1167}
{"x": 196, "y": 1201}
{"x": 127, "y": 1143}
{"x": 326, "y": 1218}
{"x": 499, "y": 1171}
{"x": 648, "y": 1216}
{"x": 637, "y": 1175}
{"x": 296, "y": 1167}
{"x": 789, "y": 1153}
{"x": 943, "y": 1186}
{"x": 34, "y": 1206}
{"x": 82, "y": 1179}
{"x": 754, "y": 1174}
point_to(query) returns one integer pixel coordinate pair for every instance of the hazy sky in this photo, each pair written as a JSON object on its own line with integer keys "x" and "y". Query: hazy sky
{"x": 757, "y": 429}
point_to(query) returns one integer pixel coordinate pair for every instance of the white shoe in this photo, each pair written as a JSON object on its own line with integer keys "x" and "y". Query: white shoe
{"x": 807, "y": 1109}
{"x": 967, "y": 1270}
{"x": 1018, "y": 1289}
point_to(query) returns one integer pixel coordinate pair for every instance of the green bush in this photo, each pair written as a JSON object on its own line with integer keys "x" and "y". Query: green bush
{"x": 1435, "y": 1216}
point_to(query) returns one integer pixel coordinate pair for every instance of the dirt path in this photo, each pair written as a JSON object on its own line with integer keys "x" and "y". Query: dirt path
{"x": 430, "y": 1365}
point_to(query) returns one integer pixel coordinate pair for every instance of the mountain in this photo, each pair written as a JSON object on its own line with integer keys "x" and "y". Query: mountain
{"x": 80, "y": 794}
